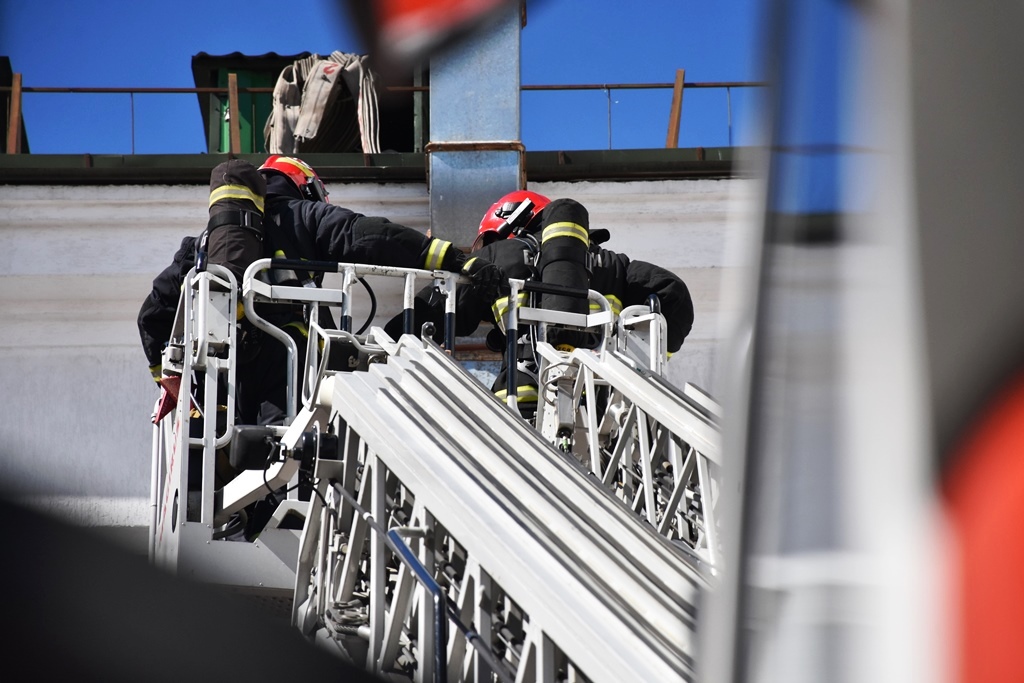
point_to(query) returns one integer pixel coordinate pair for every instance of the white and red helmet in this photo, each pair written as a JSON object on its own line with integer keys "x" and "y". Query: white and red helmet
{"x": 516, "y": 210}
{"x": 300, "y": 173}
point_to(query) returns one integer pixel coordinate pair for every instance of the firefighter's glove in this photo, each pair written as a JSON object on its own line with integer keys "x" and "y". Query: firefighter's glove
{"x": 488, "y": 280}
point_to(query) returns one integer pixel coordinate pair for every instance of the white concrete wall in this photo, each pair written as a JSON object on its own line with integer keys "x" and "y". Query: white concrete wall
{"x": 76, "y": 263}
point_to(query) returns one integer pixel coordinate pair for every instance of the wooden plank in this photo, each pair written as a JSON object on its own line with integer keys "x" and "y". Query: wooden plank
{"x": 234, "y": 114}
{"x": 14, "y": 122}
{"x": 675, "y": 113}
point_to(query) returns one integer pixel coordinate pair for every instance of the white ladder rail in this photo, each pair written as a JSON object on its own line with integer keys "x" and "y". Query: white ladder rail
{"x": 441, "y": 464}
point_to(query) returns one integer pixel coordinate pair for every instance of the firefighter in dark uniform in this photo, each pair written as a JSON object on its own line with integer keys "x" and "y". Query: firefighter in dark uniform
{"x": 298, "y": 222}
{"x": 624, "y": 282}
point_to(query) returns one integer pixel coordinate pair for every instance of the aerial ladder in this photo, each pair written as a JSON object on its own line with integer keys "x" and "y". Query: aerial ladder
{"x": 425, "y": 529}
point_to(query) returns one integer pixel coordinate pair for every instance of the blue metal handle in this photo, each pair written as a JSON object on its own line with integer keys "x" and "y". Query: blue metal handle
{"x": 405, "y": 553}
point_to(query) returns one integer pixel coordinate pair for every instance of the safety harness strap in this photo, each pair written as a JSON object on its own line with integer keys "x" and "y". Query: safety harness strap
{"x": 241, "y": 218}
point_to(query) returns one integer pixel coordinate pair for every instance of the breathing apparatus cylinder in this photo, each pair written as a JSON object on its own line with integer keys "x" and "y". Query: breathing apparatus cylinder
{"x": 564, "y": 260}
{"x": 234, "y": 234}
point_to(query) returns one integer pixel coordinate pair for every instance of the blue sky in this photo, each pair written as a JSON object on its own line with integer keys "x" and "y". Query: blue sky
{"x": 122, "y": 43}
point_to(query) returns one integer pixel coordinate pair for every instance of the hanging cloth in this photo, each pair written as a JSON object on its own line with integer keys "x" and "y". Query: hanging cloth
{"x": 324, "y": 105}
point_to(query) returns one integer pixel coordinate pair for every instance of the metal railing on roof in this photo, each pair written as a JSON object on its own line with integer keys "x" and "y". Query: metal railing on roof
{"x": 17, "y": 89}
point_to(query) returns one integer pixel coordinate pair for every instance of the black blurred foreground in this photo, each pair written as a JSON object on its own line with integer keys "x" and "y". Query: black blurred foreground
{"x": 83, "y": 609}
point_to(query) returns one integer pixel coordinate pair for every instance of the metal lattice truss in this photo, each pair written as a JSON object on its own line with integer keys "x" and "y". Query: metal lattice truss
{"x": 655, "y": 448}
{"x": 433, "y": 500}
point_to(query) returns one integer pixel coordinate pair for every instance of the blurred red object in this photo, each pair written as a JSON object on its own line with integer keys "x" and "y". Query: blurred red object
{"x": 984, "y": 498}
{"x": 398, "y": 33}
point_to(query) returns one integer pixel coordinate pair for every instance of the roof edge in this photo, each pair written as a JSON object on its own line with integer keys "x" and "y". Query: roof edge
{"x": 177, "y": 169}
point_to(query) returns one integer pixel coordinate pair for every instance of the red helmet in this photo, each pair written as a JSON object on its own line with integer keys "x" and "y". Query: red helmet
{"x": 301, "y": 174}
{"x": 496, "y": 221}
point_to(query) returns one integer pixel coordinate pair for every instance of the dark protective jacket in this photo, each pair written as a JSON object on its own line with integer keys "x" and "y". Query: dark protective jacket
{"x": 297, "y": 228}
{"x": 622, "y": 281}
{"x": 157, "y": 313}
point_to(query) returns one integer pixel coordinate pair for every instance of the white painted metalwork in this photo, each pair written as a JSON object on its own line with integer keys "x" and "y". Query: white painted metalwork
{"x": 188, "y": 529}
{"x": 183, "y": 527}
{"x": 549, "y": 570}
{"x": 655, "y": 448}
{"x": 445, "y": 537}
